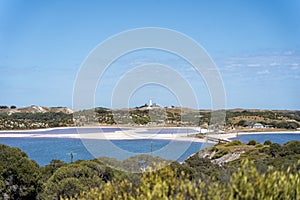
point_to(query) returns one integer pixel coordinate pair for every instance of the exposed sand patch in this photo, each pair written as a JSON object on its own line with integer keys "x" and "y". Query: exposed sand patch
{"x": 132, "y": 134}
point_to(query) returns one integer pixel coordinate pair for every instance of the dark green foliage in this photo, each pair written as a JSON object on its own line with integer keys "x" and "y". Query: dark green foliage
{"x": 19, "y": 176}
{"x": 25, "y": 120}
{"x": 252, "y": 142}
{"x": 275, "y": 148}
{"x": 140, "y": 120}
{"x": 69, "y": 180}
{"x": 49, "y": 170}
{"x": 280, "y": 157}
{"x": 288, "y": 125}
{"x": 101, "y": 110}
{"x": 201, "y": 167}
{"x": 221, "y": 153}
{"x": 258, "y": 145}
{"x": 247, "y": 177}
{"x": 233, "y": 143}
{"x": 291, "y": 147}
{"x": 268, "y": 142}
{"x": 244, "y": 184}
{"x": 275, "y": 118}
{"x": 241, "y": 123}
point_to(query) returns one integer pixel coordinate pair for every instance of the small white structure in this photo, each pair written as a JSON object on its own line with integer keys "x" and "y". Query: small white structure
{"x": 258, "y": 125}
{"x": 150, "y": 103}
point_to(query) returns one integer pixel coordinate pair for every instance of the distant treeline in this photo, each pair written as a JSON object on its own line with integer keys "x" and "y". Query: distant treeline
{"x": 34, "y": 120}
{"x": 6, "y": 107}
{"x": 156, "y": 116}
{"x": 275, "y": 119}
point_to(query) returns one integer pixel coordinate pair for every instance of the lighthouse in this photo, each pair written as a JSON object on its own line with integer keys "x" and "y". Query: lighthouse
{"x": 150, "y": 103}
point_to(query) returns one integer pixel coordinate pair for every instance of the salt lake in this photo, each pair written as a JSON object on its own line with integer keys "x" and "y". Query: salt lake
{"x": 44, "y": 149}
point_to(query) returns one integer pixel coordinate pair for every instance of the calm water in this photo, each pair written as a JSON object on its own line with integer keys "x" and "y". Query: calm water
{"x": 275, "y": 138}
{"x": 43, "y": 150}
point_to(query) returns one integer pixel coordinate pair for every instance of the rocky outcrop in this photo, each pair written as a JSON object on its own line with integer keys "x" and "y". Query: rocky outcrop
{"x": 227, "y": 158}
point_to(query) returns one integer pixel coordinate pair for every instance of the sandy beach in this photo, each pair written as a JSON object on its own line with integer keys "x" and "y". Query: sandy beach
{"x": 125, "y": 134}
{"x": 133, "y": 133}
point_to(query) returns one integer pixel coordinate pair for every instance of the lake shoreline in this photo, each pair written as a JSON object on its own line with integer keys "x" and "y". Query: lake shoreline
{"x": 229, "y": 136}
{"x": 126, "y": 133}
{"x": 100, "y": 127}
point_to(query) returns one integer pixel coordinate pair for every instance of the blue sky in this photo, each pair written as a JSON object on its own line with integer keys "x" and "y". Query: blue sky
{"x": 255, "y": 44}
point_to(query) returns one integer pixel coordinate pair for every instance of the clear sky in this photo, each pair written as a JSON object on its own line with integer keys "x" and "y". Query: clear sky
{"x": 255, "y": 44}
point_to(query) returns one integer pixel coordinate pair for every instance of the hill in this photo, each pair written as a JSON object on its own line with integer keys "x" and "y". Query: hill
{"x": 235, "y": 120}
{"x": 35, "y": 109}
{"x": 33, "y": 117}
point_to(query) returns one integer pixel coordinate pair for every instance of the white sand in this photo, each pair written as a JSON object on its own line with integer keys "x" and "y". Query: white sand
{"x": 132, "y": 134}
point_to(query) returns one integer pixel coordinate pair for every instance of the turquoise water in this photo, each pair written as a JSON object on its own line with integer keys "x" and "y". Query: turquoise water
{"x": 275, "y": 138}
{"x": 43, "y": 150}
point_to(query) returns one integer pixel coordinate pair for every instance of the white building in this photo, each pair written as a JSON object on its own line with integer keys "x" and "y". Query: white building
{"x": 258, "y": 125}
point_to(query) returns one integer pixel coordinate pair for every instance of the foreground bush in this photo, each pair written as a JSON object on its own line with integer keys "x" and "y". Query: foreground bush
{"x": 19, "y": 176}
{"x": 246, "y": 183}
{"x": 69, "y": 180}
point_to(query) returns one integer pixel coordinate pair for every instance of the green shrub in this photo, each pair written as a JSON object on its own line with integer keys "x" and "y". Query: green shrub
{"x": 246, "y": 183}
{"x": 233, "y": 143}
{"x": 251, "y": 142}
{"x": 69, "y": 180}
{"x": 267, "y": 142}
{"x": 19, "y": 176}
{"x": 221, "y": 153}
{"x": 258, "y": 145}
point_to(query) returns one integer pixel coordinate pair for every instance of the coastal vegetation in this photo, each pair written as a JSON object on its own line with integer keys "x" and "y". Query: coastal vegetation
{"x": 224, "y": 171}
{"x": 236, "y": 120}
{"x": 21, "y": 121}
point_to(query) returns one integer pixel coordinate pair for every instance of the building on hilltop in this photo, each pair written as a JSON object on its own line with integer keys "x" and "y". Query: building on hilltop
{"x": 152, "y": 105}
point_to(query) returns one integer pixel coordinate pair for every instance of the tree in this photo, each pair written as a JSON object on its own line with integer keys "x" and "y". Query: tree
{"x": 245, "y": 183}
{"x": 19, "y": 176}
{"x": 69, "y": 180}
{"x": 252, "y": 142}
{"x": 267, "y": 142}
{"x": 241, "y": 123}
{"x": 48, "y": 170}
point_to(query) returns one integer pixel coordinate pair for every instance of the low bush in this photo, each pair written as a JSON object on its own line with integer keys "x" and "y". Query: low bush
{"x": 233, "y": 143}
{"x": 252, "y": 142}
